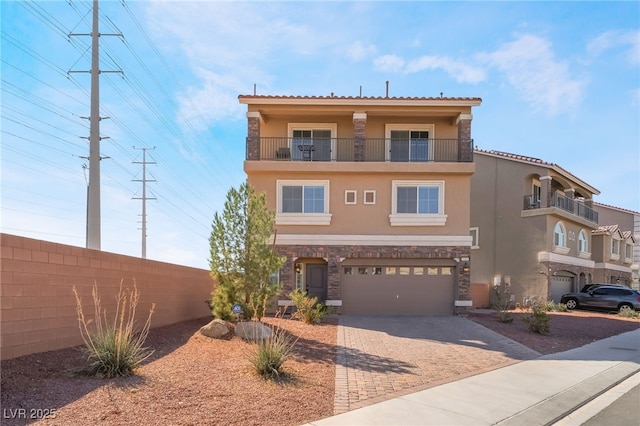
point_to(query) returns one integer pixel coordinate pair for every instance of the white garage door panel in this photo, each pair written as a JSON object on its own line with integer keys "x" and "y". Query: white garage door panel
{"x": 560, "y": 286}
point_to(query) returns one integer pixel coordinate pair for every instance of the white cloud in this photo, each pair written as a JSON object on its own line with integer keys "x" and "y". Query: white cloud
{"x": 232, "y": 42}
{"x": 460, "y": 71}
{"x": 529, "y": 65}
{"x": 388, "y": 63}
{"x": 617, "y": 39}
{"x": 214, "y": 98}
{"x": 357, "y": 51}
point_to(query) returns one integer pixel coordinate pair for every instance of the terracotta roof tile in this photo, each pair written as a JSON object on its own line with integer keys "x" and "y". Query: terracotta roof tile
{"x": 605, "y": 229}
{"x": 516, "y": 157}
{"x": 355, "y": 98}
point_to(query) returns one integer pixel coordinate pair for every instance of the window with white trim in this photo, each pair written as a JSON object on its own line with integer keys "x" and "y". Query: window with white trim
{"x": 408, "y": 142}
{"x": 473, "y": 232}
{"x": 583, "y": 246}
{"x": 559, "y": 235}
{"x": 615, "y": 248}
{"x": 560, "y": 239}
{"x": 312, "y": 141}
{"x": 417, "y": 203}
{"x": 628, "y": 252}
{"x": 303, "y": 202}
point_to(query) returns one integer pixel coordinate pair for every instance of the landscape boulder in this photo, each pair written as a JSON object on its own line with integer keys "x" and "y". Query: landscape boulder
{"x": 253, "y": 331}
{"x": 217, "y": 329}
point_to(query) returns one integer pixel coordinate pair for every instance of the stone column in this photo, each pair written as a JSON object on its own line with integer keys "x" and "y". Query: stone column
{"x": 253, "y": 135}
{"x": 465, "y": 152}
{"x": 545, "y": 191}
{"x": 359, "y": 123}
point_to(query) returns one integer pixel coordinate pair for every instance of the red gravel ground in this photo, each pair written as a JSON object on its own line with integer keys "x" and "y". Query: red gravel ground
{"x": 193, "y": 380}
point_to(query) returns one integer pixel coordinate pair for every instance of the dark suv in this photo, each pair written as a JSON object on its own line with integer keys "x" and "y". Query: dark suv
{"x": 610, "y": 297}
{"x": 588, "y": 287}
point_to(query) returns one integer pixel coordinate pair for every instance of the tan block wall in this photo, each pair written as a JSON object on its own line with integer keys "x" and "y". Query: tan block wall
{"x": 38, "y": 308}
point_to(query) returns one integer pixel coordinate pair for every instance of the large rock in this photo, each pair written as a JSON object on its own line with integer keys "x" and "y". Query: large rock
{"x": 253, "y": 331}
{"x": 216, "y": 329}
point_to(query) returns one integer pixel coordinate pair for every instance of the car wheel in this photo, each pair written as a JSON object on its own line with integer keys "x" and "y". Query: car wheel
{"x": 572, "y": 303}
{"x": 625, "y": 307}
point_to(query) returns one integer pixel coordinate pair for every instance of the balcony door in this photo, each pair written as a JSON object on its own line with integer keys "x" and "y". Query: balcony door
{"x": 410, "y": 143}
{"x": 311, "y": 145}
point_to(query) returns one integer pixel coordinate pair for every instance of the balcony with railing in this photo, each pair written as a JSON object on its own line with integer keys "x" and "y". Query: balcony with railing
{"x": 567, "y": 204}
{"x": 372, "y": 150}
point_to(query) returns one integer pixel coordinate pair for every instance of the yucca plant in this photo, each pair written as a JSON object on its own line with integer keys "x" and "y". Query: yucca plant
{"x": 269, "y": 354}
{"x": 113, "y": 348}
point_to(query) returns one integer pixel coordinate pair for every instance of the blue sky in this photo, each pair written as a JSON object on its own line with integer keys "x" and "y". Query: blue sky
{"x": 559, "y": 81}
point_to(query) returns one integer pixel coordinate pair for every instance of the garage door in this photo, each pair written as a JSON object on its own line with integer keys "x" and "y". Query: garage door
{"x": 397, "y": 290}
{"x": 560, "y": 286}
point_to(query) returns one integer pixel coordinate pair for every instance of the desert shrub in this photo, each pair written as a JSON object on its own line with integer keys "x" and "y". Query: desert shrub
{"x": 546, "y": 306}
{"x": 307, "y": 308}
{"x": 269, "y": 354}
{"x": 561, "y": 307}
{"x": 502, "y": 303}
{"x": 628, "y": 313}
{"x": 113, "y": 348}
{"x": 537, "y": 320}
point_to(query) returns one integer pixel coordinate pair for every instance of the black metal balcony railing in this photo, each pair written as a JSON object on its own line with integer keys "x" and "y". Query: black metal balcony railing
{"x": 567, "y": 204}
{"x": 343, "y": 149}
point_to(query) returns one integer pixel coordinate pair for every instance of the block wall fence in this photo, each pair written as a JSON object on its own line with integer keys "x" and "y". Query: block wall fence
{"x": 38, "y": 308}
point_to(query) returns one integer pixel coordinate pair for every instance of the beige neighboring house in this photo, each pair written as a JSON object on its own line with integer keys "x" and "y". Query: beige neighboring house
{"x": 618, "y": 260}
{"x": 371, "y": 196}
{"x": 532, "y": 224}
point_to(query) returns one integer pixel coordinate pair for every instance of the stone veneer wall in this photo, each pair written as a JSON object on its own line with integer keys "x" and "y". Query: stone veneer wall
{"x": 38, "y": 308}
{"x": 333, "y": 255}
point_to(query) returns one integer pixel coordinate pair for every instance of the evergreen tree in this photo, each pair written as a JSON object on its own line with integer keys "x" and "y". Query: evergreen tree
{"x": 241, "y": 258}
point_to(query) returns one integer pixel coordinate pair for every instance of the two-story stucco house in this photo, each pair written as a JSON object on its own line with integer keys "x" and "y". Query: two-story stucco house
{"x": 371, "y": 196}
{"x": 532, "y": 224}
{"x": 609, "y": 267}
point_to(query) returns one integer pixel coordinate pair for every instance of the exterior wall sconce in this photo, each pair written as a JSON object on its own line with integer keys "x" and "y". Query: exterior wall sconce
{"x": 465, "y": 267}
{"x": 297, "y": 268}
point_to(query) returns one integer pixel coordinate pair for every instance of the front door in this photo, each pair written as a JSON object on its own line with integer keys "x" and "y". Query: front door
{"x": 316, "y": 281}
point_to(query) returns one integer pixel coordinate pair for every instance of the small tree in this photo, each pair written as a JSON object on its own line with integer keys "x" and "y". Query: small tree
{"x": 241, "y": 258}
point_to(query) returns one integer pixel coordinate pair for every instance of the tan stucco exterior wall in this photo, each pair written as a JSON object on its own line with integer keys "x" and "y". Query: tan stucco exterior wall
{"x": 371, "y": 219}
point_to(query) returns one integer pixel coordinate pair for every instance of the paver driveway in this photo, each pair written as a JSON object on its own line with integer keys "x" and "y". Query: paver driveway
{"x": 385, "y": 357}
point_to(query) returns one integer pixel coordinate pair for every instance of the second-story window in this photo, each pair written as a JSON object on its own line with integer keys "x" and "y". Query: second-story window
{"x": 628, "y": 251}
{"x": 582, "y": 242}
{"x": 615, "y": 248}
{"x": 303, "y": 202}
{"x": 559, "y": 236}
{"x": 303, "y": 199}
{"x": 417, "y": 203}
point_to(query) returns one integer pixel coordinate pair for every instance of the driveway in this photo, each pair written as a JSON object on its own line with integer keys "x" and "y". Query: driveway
{"x": 385, "y": 357}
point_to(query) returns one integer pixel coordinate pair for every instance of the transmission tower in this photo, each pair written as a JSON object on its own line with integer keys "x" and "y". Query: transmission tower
{"x": 93, "y": 196}
{"x": 144, "y": 197}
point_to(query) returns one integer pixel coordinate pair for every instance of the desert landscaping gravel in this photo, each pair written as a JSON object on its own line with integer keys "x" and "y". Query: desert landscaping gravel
{"x": 194, "y": 380}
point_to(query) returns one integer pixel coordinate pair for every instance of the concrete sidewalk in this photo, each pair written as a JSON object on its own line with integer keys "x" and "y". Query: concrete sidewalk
{"x": 541, "y": 391}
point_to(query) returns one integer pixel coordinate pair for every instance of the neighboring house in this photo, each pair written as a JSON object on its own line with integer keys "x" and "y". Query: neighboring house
{"x": 613, "y": 254}
{"x": 628, "y": 222}
{"x": 371, "y": 197}
{"x": 531, "y": 223}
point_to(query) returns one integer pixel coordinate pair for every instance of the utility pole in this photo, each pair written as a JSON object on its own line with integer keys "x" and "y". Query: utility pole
{"x": 93, "y": 196}
{"x": 144, "y": 197}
